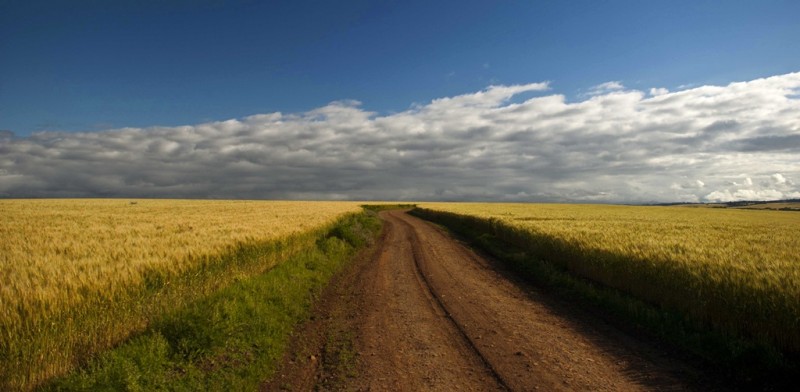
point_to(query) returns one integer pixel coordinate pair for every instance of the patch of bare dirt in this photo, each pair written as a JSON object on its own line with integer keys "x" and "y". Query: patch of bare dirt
{"x": 423, "y": 312}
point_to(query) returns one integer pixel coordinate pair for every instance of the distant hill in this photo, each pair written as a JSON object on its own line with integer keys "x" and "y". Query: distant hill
{"x": 778, "y": 205}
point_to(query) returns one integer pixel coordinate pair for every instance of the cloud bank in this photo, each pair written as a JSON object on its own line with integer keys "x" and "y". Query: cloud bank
{"x": 709, "y": 143}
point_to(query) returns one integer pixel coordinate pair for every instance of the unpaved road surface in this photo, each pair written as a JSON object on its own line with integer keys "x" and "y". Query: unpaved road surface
{"x": 425, "y": 313}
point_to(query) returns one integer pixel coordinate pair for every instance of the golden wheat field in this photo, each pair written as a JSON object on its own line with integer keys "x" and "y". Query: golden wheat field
{"x": 736, "y": 269}
{"x": 73, "y": 272}
{"x": 55, "y": 252}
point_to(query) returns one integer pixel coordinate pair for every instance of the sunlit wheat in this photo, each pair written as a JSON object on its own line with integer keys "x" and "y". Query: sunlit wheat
{"x": 77, "y": 276}
{"x": 737, "y": 270}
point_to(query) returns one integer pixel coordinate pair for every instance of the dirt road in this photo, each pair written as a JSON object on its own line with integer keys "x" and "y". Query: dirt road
{"x": 426, "y": 313}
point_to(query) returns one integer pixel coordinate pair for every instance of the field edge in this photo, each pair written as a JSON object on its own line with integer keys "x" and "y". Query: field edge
{"x": 746, "y": 363}
{"x": 235, "y": 335}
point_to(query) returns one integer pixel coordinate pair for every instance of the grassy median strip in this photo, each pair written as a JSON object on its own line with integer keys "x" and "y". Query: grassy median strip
{"x": 540, "y": 258}
{"x": 231, "y": 338}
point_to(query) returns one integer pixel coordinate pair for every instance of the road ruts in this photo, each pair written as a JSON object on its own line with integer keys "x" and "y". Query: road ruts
{"x": 433, "y": 315}
{"x": 406, "y": 341}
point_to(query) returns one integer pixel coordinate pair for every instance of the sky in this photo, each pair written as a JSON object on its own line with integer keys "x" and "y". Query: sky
{"x": 582, "y": 101}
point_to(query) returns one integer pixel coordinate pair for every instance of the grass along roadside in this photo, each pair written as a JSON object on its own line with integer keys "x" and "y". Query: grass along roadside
{"x": 52, "y": 346}
{"x": 751, "y": 361}
{"x": 80, "y": 276}
{"x": 232, "y": 338}
{"x": 386, "y": 206}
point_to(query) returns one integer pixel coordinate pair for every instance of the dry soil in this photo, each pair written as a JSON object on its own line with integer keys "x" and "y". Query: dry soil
{"x": 422, "y": 312}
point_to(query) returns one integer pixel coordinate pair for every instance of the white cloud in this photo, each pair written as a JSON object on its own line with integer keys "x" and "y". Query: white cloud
{"x": 747, "y": 194}
{"x": 770, "y": 187}
{"x": 489, "y": 98}
{"x": 658, "y": 91}
{"x": 709, "y": 143}
{"x": 605, "y": 88}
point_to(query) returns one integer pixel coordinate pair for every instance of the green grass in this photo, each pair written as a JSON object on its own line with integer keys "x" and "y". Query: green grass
{"x": 232, "y": 338}
{"x": 386, "y": 207}
{"x": 750, "y": 362}
{"x": 80, "y": 276}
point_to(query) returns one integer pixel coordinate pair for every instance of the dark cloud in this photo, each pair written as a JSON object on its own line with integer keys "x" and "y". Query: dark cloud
{"x": 6, "y": 135}
{"x": 619, "y": 145}
{"x": 767, "y": 143}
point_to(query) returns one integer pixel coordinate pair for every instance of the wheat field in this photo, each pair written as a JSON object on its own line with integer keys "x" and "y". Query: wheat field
{"x": 78, "y": 276}
{"x": 738, "y": 270}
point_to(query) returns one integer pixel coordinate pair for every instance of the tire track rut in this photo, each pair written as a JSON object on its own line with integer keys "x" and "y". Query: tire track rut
{"x": 427, "y": 286}
{"x": 406, "y": 340}
{"x": 428, "y": 313}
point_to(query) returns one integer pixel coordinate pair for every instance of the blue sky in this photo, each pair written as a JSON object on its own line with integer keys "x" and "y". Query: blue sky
{"x": 94, "y": 65}
{"x": 594, "y": 101}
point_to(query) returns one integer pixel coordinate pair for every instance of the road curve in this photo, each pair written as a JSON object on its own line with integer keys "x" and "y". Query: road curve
{"x": 434, "y": 315}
